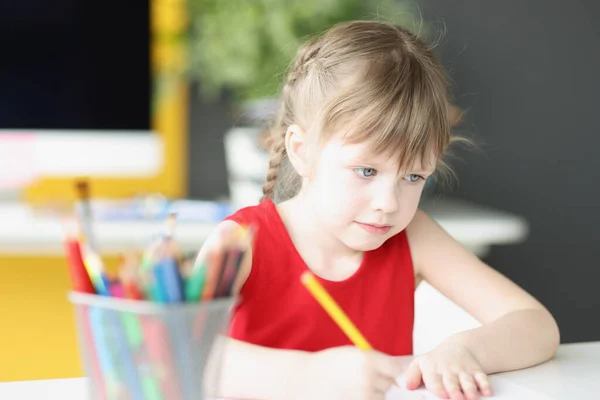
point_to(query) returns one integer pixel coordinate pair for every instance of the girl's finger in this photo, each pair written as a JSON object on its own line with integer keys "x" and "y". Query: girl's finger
{"x": 483, "y": 383}
{"x": 433, "y": 383}
{"x": 413, "y": 375}
{"x": 452, "y": 385}
{"x": 469, "y": 388}
{"x": 382, "y": 384}
{"x": 386, "y": 366}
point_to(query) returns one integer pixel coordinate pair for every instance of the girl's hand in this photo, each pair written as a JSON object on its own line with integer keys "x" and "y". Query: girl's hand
{"x": 347, "y": 373}
{"x": 450, "y": 371}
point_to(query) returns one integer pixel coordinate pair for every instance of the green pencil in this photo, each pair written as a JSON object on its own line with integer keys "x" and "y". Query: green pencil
{"x": 195, "y": 284}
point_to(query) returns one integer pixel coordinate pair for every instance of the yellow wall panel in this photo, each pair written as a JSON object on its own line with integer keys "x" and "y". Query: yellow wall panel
{"x": 38, "y": 326}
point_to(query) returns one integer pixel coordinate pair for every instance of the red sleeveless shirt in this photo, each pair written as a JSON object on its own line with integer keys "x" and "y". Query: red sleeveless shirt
{"x": 277, "y": 311}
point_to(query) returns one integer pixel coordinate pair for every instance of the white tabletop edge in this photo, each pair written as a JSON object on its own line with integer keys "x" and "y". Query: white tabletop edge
{"x": 573, "y": 374}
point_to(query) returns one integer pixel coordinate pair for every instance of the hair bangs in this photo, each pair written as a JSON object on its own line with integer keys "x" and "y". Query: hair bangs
{"x": 402, "y": 113}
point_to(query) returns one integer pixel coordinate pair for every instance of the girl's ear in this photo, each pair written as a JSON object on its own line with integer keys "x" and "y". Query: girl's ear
{"x": 296, "y": 148}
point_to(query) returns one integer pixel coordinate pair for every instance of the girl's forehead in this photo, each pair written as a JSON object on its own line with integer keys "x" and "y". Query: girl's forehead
{"x": 345, "y": 152}
{"x": 341, "y": 148}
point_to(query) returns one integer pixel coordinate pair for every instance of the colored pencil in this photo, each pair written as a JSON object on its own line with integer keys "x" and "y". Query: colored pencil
{"x": 135, "y": 330}
{"x": 128, "y": 274}
{"x": 196, "y": 282}
{"x": 88, "y": 246}
{"x": 168, "y": 281}
{"x": 95, "y": 268}
{"x": 84, "y": 211}
{"x": 234, "y": 262}
{"x": 334, "y": 310}
{"x": 159, "y": 351}
{"x": 80, "y": 278}
{"x": 105, "y": 356}
{"x": 91, "y": 349}
{"x": 226, "y": 271}
{"x": 215, "y": 261}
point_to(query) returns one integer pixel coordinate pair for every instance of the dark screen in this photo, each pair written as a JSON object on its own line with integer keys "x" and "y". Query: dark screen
{"x": 74, "y": 64}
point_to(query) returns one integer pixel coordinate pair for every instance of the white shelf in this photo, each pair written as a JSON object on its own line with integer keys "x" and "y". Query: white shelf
{"x": 24, "y": 231}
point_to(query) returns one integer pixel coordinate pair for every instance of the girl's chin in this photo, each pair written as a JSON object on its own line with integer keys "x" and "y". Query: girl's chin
{"x": 365, "y": 244}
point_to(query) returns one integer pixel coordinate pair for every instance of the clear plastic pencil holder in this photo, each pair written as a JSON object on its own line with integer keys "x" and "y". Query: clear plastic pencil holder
{"x": 150, "y": 351}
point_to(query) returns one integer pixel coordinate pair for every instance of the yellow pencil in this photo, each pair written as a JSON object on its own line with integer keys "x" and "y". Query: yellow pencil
{"x": 334, "y": 311}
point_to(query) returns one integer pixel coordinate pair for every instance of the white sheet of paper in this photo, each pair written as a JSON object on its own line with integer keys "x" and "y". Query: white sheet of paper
{"x": 503, "y": 390}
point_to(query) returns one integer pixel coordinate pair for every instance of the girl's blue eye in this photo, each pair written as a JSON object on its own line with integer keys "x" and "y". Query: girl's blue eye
{"x": 365, "y": 172}
{"x": 414, "y": 178}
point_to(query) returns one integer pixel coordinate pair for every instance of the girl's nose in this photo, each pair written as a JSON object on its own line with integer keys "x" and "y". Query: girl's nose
{"x": 385, "y": 198}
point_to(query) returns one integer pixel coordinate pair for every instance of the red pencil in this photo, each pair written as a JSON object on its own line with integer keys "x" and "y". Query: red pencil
{"x": 132, "y": 291}
{"x": 80, "y": 279}
{"x": 160, "y": 354}
{"x": 128, "y": 274}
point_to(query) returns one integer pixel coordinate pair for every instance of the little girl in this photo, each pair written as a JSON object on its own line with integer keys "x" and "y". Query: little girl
{"x": 364, "y": 123}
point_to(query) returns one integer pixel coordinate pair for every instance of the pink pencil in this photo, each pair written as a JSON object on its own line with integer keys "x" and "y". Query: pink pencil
{"x": 156, "y": 340}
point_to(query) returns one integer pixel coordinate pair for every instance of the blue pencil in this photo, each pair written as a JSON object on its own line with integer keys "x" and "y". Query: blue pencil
{"x": 170, "y": 280}
{"x": 107, "y": 366}
{"x": 118, "y": 336}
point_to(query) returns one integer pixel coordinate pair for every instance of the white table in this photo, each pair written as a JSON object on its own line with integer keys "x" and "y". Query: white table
{"x": 574, "y": 374}
{"x": 23, "y": 231}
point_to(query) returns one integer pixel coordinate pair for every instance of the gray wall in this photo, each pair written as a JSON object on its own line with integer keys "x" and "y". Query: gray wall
{"x": 528, "y": 71}
{"x": 207, "y": 178}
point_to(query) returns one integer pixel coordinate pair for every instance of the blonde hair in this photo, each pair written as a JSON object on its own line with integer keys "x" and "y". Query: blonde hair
{"x": 380, "y": 83}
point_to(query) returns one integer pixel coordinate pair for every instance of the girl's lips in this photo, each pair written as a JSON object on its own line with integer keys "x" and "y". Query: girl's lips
{"x": 374, "y": 229}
